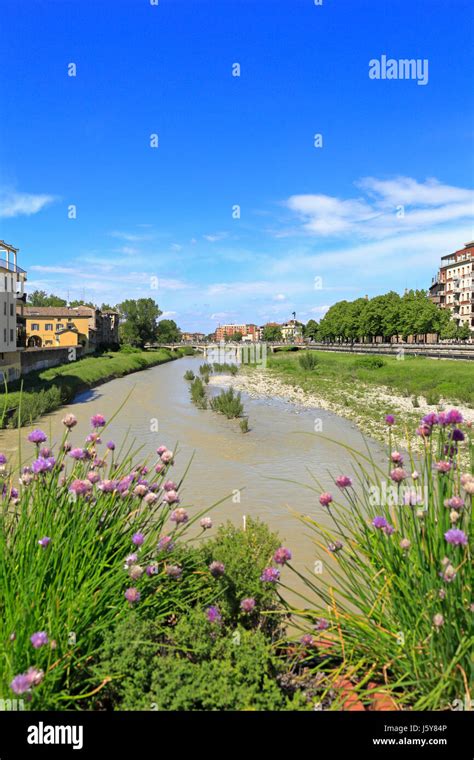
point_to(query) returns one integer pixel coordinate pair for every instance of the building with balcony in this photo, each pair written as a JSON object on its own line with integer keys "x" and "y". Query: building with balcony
{"x": 453, "y": 286}
{"x": 12, "y": 299}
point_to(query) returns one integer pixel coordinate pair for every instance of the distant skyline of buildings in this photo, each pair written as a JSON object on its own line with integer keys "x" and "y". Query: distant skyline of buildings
{"x": 453, "y": 286}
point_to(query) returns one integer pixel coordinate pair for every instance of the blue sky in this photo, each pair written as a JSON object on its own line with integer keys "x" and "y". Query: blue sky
{"x": 316, "y": 224}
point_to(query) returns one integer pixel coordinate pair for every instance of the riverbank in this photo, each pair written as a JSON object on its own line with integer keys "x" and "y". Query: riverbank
{"x": 353, "y": 389}
{"x": 45, "y": 391}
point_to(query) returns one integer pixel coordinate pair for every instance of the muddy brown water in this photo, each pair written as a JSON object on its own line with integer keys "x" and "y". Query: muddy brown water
{"x": 249, "y": 469}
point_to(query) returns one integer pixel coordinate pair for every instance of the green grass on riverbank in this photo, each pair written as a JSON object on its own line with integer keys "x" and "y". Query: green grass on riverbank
{"x": 46, "y": 390}
{"x": 433, "y": 380}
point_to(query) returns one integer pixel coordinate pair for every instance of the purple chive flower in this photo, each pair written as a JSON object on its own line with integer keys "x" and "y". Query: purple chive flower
{"x": 396, "y": 457}
{"x": 159, "y": 468}
{"x": 456, "y": 537}
{"x": 37, "y": 436}
{"x": 43, "y": 465}
{"x": 307, "y": 640}
{"x": 455, "y": 502}
{"x": 3, "y": 459}
{"x": 170, "y": 485}
{"x": 132, "y": 595}
{"x": 111, "y": 446}
{"x": 248, "y": 605}
{"x": 160, "y": 450}
{"x": 80, "y": 487}
{"x": 217, "y": 569}
{"x": 454, "y": 417}
{"x": 20, "y": 684}
{"x": 150, "y": 499}
{"x": 270, "y": 575}
{"x": 424, "y": 431}
{"x": 206, "y": 523}
{"x": 282, "y": 556}
{"x": 171, "y": 497}
{"x": 390, "y": 419}
{"x": 325, "y": 499}
{"x": 443, "y": 467}
{"x": 336, "y": 546}
{"x": 174, "y": 571}
{"x": 457, "y": 435}
{"x": 69, "y": 421}
{"x": 77, "y": 454}
{"x": 165, "y": 543}
{"x": 107, "y": 486}
{"x": 388, "y": 530}
{"x": 138, "y": 539}
{"x": 135, "y": 572}
{"x": 45, "y": 452}
{"x": 167, "y": 457}
{"x": 97, "y": 421}
{"x": 179, "y": 516}
{"x": 379, "y": 522}
{"x": 130, "y": 560}
{"x": 213, "y": 614}
{"x": 151, "y": 570}
{"x": 405, "y": 544}
{"x": 44, "y": 542}
{"x": 39, "y": 639}
{"x": 398, "y": 474}
{"x": 93, "y": 477}
{"x": 343, "y": 481}
{"x": 321, "y": 624}
{"x": 430, "y": 419}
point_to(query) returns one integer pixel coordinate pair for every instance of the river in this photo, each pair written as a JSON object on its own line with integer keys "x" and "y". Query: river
{"x": 281, "y": 444}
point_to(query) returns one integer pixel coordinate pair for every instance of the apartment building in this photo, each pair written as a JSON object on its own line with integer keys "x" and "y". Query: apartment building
{"x": 12, "y": 298}
{"x": 226, "y": 332}
{"x": 453, "y": 286}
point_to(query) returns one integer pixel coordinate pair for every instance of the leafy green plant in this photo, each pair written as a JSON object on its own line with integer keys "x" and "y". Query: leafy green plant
{"x": 244, "y": 424}
{"x": 228, "y": 403}
{"x": 308, "y": 361}
{"x": 189, "y": 374}
{"x": 198, "y": 393}
{"x": 370, "y": 362}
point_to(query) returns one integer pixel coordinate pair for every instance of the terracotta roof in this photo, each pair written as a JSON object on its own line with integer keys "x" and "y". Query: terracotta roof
{"x": 56, "y": 311}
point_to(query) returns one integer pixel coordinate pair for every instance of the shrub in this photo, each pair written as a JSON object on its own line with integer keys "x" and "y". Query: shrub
{"x": 189, "y": 374}
{"x": 370, "y": 362}
{"x": 205, "y": 369}
{"x": 307, "y": 361}
{"x": 228, "y": 403}
{"x": 197, "y": 665}
{"x": 244, "y": 424}
{"x": 198, "y": 393}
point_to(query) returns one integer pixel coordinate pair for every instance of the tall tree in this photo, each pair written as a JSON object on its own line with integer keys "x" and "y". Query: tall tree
{"x": 310, "y": 330}
{"x": 139, "y": 321}
{"x": 271, "y": 333}
{"x": 41, "y": 298}
{"x": 168, "y": 331}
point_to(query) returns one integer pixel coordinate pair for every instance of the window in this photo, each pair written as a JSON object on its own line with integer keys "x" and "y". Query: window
{"x": 48, "y": 326}
{"x": 6, "y": 283}
{"x": 5, "y": 335}
{"x": 35, "y": 327}
{"x": 5, "y": 308}
{"x": 59, "y": 326}
{"x": 11, "y": 336}
{"x": 11, "y": 310}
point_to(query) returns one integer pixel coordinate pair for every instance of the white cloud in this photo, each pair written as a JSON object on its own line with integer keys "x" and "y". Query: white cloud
{"x": 279, "y": 297}
{"x": 22, "y": 204}
{"x": 216, "y": 236}
{"x": 390, "y": 207}
{"x": 130, "y": 237}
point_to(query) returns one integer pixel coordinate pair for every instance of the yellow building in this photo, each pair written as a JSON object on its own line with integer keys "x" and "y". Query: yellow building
{"x": 52, "y": 327}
